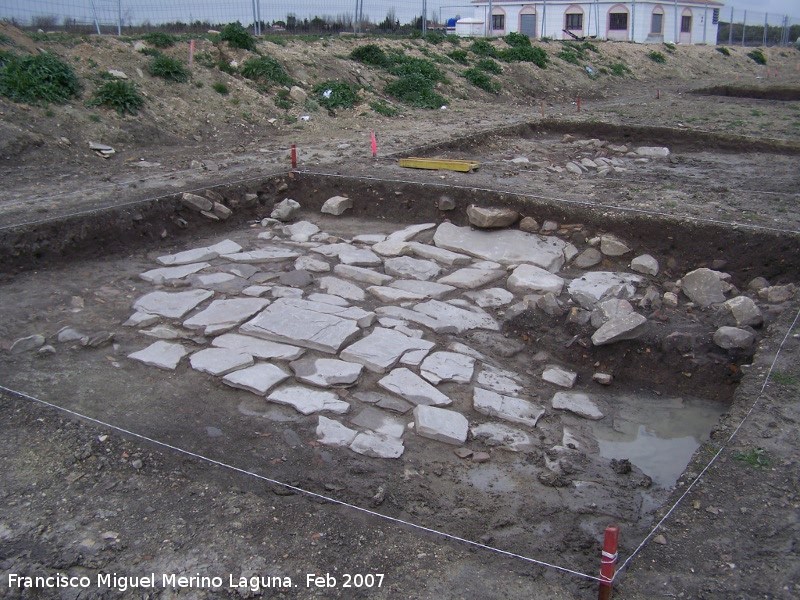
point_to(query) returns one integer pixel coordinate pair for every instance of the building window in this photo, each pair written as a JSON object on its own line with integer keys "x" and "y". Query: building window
{"x": 498, "y": 21}
{"x": 686, "y": 24}
{"x": 574, "y": 22}
{"x": 657, "y": 23}
{"x": 715, "y": 17}
{"x": 618, "y": 21}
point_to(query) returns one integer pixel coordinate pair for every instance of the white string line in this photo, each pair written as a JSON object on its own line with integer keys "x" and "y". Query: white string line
{"x": 728, "y": 224}
{"x": 298, "y": 489}
{"x": 720, "y": 451}
{"x": 135, "y": 202}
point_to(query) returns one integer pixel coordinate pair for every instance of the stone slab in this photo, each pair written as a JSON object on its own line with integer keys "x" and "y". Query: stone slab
{"x": 499, "y": 380}
{"x": 172, "y": 273}
{"x": 259, "y": 348}
{"x": 447, "y": 366}
{"x": 578, "y": 404}
{"x": 628, "y": 327}
{"x": 470, "y": 278}
{"x": 362, "y": 275}
{"x": 378, "y": 421}
{"x": 505, "y": 246}
{"x": 392, "y": 295}
{"x": 173, "y": 305}
{"x": 503, "y": 437}
{"x": 442, "y": 425}
{"x": 515, "y": 410}
{"x": 429, "y": 289}
{"x": 409, "y": 232}
{"x": 342, "y": 288}
{"x": 382, "y": 349}
{"x": 258, "y": 379}
{"x": 597, "y": 284}
{"x": 311, "y": 264}
{"x": 328, "y": 299}
{"x": 406, "y": 267}
{"x": 333, "y": 433}
{"x": 560, "y": 377}
{"x": 195, "y": 255}
{"x": 222, "y": 315}
{"x": 360, "y": 257}
{"x": 413, "y": 388}
{"x": 377, "y": 445}
{"x": 263, "y": 255}
{"x": 703, "y": 287}
{"x": 219, "y": 361}
{"x": 491, "y": 297}
{"x": 161, "y": 354}
{"x": 307, "y": 401}
{"x": 326, "y": 372}
{"x": 530, "y": 278}
{"x": 459, "y": 319}
{"x": 440, "y": 255}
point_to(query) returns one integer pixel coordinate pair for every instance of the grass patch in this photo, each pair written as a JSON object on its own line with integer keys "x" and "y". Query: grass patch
{"x": 723, "y": 50}
{"x": 755, "y": 457}
{"x": 119, "y": 95}
{"x": 756, "y": 113}
{"x": 266, "y": 70}
{"x": 669, "y": 47}
{"x": 237, "y": 36}
{"x": 282, "y": 99}
{"x": 336, "y": 94}
{"x": 435, "y": 38}
{"x": 5, "y": 40}
{"x": 160, "y": 39}
{"x": 41, "y": 78}
{"x": 530, "y": 54}
{"x": 619, "y": 69}
{"x": 656, "y": 57}
{"x": 482, "y": 47}
{"x": 574, "y": 53}
{"x": 371, "y": 54}
{"x": 383, "y": 109}
{"x": 94, "y": 118}
{"x": 221, "y": 88}
{"x": 406, "y": 65}
{"x": 758, "y": 56}
{"x": 480, "y": 79}
{"x": 489, "y": 65}
{"x": 459, "y": 56}
{"x": 454, "y": 39}
{"x": 517, "y": 40}
{"x": 168, "y": 68}
{"x": 783, "y": 378}
{"x": 415, "y": 90}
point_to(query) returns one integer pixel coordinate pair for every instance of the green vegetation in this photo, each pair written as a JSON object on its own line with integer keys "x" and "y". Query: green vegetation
{"x": 266, "y": 70}
{"x": 6, "y": 57}
{"x": 517, "y": 40}
{"x": 536, "y": 56}
{"x": 6, "y": 41}
{"x": 480, "y": 79}
{"x": 656, "y": 57}
{"x": 119, "y": 95}
{"x": 415, "y": 90}
{"x": 459, "y": 56}
{"x": 755, "y": 457}
{"x": 34, "y": 79}
{"x": 782, "y": 378}
{"x": 383, "y": 109}
{"x": 489, "y": 65}
{"x": 282, "y": 99}
{"x": 238, "y": 37}
{"x": 168, "y": 68}
{"x": 336, "y": 94}
{"x": 145, "y": 51}
{"x": 160, "y": 39}
{"x": 371, "y": 54}
{"x": 482, "y": 47}
{"x": 454, "y": 39}
{"x": 669, "y": 47}
{"x": 94, "y": 118}
{"x": 758, "y": 56}
{"x": 619, "y": 69}
{"x": 575, "y": 53}
{"x": 723, "y": 50}
{"x": 435, "y": 38}
{"x": 221, "y": 88}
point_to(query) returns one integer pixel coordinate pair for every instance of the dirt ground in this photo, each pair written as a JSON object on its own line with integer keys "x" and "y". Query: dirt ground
{"x": 80, "y": 499}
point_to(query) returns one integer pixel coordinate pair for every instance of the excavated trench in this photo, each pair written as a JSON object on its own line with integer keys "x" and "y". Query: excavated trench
{"x": 784, "y": 94}
{"x": 669, "y": 387}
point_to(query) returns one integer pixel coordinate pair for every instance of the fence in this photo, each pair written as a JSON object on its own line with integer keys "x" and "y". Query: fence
{"x": 736, "y": 26}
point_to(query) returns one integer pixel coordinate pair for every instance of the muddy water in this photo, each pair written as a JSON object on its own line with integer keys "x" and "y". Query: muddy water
{"x": 658, "y": 435}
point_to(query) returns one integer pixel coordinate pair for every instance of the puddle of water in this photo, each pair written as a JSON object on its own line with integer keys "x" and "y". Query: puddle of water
{"x": 658, "y": 435}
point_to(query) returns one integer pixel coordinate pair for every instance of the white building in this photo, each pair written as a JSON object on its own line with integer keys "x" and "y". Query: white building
{"x": 645, "y": 21}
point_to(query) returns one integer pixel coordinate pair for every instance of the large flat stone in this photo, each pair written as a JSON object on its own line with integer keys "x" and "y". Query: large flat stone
{"x": 259, "y": 378}
{"x": 404, "y": 235}
{"x": 559, "y": 376}
{"x": 440, "y": 255}
{"x": 392, "y": 295}
{"x": 219, "y": 361}
{"x": 491, "y": 298}
{"x": 379, "y": 422}
{"x": 377, "y": 445}
{"x": 447, "y": 366}
{"x": 362, "y": 317}
{"x": 263, "y": 255}
{"x": 308, "y": 401}
{"x": 515, "y": 410}
{"x": 610, "y": 309}
{"x": 222, "y": 315}
{"x": 744, "y": 311}
{"x": 414, "y": 268}
{"x": 186, "y": 257}
{"x": 505, "y": 247}
{"x": 441, "y": 425}
{"x": 173, "y": 305}
{"x": 342, "y": 288}
{"x": 362, "y": 275}
{"x": 530, "y": 278}
{"x": 429, "y": 289}
{"x": 333, "y": 433}
{"x": 703, "y": 287}
{"x": 733, "y": 337}
{"x": 628, "y": 327}
{"x": 413, "y": 388}
{"x": 499, "y": 380}
{"x": 597, "y": 284}
{"x": 259, "y": 348}
{"x": 578, "y": 404}
{"x": 491, "y": 217}
{"x": 283, "y": 322}
{"x": 411, "y": 316}
{"x": 460, "y": 319}
{"x": 326, "y": 372}
{"x": 382, "y": 349}
{"x": 503, "y": 437}
{"x": 172, "y": 273}
{"x": 311, "y": 264}
{"x": 470, "y": 278}
{"x": 360, "y": 257}
{"x": 161, "y": 354}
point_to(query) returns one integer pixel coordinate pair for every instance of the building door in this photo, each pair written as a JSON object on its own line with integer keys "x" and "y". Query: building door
{"x": 686, "y": 28}
{"x": 527, "y": 25}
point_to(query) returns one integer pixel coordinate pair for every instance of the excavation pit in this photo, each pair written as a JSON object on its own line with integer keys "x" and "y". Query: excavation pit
{"x": 560, "y": 482}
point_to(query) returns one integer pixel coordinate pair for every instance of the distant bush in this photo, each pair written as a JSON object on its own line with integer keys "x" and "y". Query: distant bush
{"x": 238, "y": 37}
{"x": 453, "y": 39}
{"x": 221, "y": 88}
{"x": 41, "y": 78}
{"x": 120, "y": 95}
{"x": 489, "y": 65}
{"x": 723, "y": 50}
{"x": 758, "y": 56}
{"x": 480, "y": 79}
{"x": 160, "y": 39}
{"x": 282, "y": 99}
{"x": 406, "y": 65}
{"x": 459, "y": 56}
{"x": 517, "y": 39}
{"x": 371, "y": 54}
{"x": 536, "y": 56}
{"x": 619, "y": 69}
{"x": 267, "y": 70}
{"x": 435, "y": 38}
{"x": 168, "y": 68}
{"x": 383, "y": 109}
{"x": 669, "y": 47}
{"x": 656, "y": 57}
{"x": 482, "y": 47}
{"x": 336, "y": 94}
{"x": 415, "y": 90}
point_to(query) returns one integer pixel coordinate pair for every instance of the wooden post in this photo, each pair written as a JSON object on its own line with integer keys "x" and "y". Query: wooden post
{"x": 579, "y": 104}
{"x": 608, "y": 562}
{"x": 294, "y": 157}
{"x": 542, "y": 109}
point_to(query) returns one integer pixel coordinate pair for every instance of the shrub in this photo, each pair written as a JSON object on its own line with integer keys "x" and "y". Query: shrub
{"x": 453, "y": 39}
{"x": 383, "y": 109}
{"x": 723, "y": 50}
{"x": 490, "y": 66}
{"x": 221, "y": 88}
{"x": 6, "y": 57}
{"x": 169, "y": 68}
{"x": 669, "y": 47}
{"x": 120, "y": 95}
{"x": 406, "y": 65}
{"x": 482, "y": 47}
{"x": 758, "y": 56}
{"x": 434, "y": 38}
{"x": 335, "y": 94}
{"x": 480, "y": 79}
{"x": 536, "y": 56}
{"x": 619, "y": 69}
{"x": 459, "y": 56}
{"x": 282, "y": 99}
{"x": 415, "y": 90}
{"x": 371, "y": 54}
{"x": 150, "y": 51}
{"x": 160, "y": 39}
{"x": 517, "y": 40}
{"x": 267, "y": 70}
{"x": 238, "y": 37}
{"x": 656, "y": 57}
{"x": 40, "y": 78}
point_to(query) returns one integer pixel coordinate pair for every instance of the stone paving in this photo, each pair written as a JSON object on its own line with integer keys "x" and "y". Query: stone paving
{"x": 298, "y": 315}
